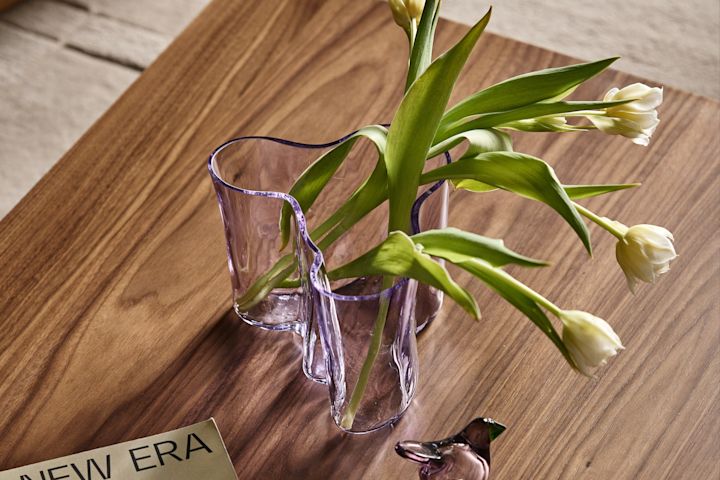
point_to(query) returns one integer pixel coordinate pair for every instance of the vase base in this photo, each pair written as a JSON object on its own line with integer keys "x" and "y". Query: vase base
{"x": 391, "y": 422}
{"x": 278, "y": 312}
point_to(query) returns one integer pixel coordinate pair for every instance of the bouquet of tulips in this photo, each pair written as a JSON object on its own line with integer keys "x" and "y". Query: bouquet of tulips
{"x": 423, "y": 127}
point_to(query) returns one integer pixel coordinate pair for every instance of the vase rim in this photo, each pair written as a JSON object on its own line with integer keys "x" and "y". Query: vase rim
{"x": 318, "y": 259}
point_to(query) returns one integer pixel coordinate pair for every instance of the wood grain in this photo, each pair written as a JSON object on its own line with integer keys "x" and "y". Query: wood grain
{"x": 115, "y": 299}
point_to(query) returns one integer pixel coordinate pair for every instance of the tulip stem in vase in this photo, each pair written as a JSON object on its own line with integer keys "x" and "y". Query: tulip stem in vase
{"x": 373, "y": 349}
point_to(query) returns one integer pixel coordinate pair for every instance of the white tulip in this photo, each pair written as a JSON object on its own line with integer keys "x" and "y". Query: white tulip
{"x": 644, "y": 253}
{"x": 404, "y": 11}
{"x": 637, "y": 119}
{"x": 589, "y": 339}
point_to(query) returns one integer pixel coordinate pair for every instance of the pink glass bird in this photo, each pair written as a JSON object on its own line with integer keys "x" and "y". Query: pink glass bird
{"x": 465, "y": 456}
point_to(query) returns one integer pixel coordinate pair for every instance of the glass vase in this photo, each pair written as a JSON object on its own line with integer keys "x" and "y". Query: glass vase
{"x": 285, "y": 288}
{"x": 369, "y": 338}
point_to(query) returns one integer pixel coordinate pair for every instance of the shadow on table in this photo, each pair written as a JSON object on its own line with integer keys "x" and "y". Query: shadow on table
{"x": 275, "y": 422}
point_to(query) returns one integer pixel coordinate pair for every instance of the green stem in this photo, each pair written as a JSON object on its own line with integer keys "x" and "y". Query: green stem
{"x": 616, "y": 228}
{"x": 535, "y": 296}
{"x": 331, "y": 237}
{"x": 331, "y": 222}
{"x": 411, "y": 35}
{"x": 373, "y": 350}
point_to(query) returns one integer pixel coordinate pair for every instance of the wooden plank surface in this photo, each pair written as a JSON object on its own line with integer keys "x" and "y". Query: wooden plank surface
{"x": 115, "y": 302}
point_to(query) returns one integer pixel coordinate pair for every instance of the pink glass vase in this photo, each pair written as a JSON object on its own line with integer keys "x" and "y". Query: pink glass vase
{"x": 335, "y": 320}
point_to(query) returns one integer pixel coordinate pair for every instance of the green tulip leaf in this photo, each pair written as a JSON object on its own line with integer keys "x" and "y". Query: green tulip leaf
{"x": 473, "y": 186}
{"x": 397, "y": 255}
{"x": 516, "y": 294}
{"x": 578, "y": 192}
{"x": 374, "y": 192}
{"x": 455, "y": 245}
{"x": 479, "y": 141}
{"x": 518, "y": 173}
{"x": 416, "y": 122}
{"x": 525, "y": 89}
{"x": 365, "y": 199}
{"x": 311, "y": 182}
{"x": 575, "y": 192}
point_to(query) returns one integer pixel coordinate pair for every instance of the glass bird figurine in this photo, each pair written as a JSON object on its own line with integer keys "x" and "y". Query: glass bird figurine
{"x": 463, "y": 456}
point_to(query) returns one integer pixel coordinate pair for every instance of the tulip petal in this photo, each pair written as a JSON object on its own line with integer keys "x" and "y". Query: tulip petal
{"x": 589, "y": 339}
{"x": 637, "y": 119}
{"x": 645, "y": 253}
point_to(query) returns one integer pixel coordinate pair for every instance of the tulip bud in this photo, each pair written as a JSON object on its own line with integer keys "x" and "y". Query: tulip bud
{"x": 415, "y": 8}
{"x": 637, "y": 119}
{"x": 589, "y": 339}
{"x": 405, "y": 11}
{"x": 644, "y": 253}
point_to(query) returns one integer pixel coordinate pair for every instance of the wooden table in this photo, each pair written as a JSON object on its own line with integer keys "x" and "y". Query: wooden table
{"x": 115, "y": 302}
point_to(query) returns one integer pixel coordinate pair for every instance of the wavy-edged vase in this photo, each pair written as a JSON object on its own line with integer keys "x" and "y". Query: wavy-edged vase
{"x": 335, "y": 320}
